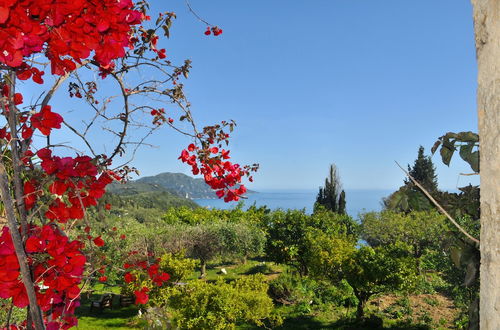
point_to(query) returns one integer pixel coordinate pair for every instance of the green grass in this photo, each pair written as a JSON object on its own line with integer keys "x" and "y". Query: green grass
{"x": 114, "y": 318}
{"x": 235, "y": 271}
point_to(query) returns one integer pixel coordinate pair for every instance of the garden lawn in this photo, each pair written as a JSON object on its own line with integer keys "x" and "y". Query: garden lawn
{"x": 109, "y": 318}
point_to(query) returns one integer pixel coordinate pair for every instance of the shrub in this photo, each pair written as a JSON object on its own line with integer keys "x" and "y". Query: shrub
{"x": 220, "y": 305}
{"x": 178, "y": 267}
{"x": 261, "y": 268}
{"x": 289, "y": 289}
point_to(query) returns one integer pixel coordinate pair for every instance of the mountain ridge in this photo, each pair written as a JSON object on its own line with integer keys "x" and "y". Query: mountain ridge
{"x": 179, "y": 184}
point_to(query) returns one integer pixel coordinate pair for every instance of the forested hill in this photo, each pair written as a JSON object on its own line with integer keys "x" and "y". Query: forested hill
{"x": 144, "y": 195}
{"x": 180, "y": 184}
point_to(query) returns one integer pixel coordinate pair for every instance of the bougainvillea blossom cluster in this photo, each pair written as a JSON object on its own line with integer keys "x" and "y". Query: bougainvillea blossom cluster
{"x": 143, "y": 271}
{"x": 57, "y": 190}
{"x": 211, "y": 160}
{"x": 65, "y": 31}
{"x": 57, "y": 265}
{"x": 66, "y": 186}
{"x": 215, "y": 30}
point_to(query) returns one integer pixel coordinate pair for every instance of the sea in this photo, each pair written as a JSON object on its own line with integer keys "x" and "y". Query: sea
{"x": 357, "y": 201}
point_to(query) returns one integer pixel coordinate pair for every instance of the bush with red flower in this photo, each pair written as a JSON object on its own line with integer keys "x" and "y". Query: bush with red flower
{"x": 47, "y": 190}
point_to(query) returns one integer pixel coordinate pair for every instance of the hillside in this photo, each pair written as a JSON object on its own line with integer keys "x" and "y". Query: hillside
{"x": 179, "y": 184}
{"x": 144, "y": 195}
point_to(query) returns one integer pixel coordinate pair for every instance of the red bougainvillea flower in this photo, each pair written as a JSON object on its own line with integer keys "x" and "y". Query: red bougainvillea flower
{"x": 65, "y": 31}
{"x": 18, "y": 98}
{"x": 98, "y": 241}
{"x": 30, "y": 195}
{"x": 141, "y": 296}
{"x": 57, "y": 265}
{"x": 46, "y": 120}
{"x": 128, "y": 277}
{"x": 219, "y": 173}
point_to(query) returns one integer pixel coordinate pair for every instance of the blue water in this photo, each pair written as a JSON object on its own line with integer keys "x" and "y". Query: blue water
{"x": 358, "y": 201}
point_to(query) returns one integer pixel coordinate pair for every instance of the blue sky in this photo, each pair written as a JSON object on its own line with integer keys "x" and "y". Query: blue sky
{"x": 356, "y": 83}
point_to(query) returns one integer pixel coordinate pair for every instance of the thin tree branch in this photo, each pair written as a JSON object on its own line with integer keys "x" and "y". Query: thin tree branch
{"x": 35, "y": 311}
{"x": 195, "y": 14}
{"x": 16, "y": 162}
{"x": 468, "y": 174}
{"x": 57, "y": 84}
{"x": 469, "y": 236}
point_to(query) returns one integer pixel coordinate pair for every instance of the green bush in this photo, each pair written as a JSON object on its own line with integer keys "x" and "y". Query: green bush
{"x": 178, "y": 267}
{"x": 220, "y": 305}
{"x": 262, "y": 268}
{"x": 289, "y": 235}
{"x": 290, "y": 289}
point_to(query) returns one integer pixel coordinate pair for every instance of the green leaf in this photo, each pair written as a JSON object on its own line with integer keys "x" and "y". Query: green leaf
{"x": 470, "y": 157}
{"x": 465, "y": 151}
{"x": 166, "y": 31}
{"x": 467, "y": 137}
{"x": 435, "y": 146}
{"x": 446, "y": 155}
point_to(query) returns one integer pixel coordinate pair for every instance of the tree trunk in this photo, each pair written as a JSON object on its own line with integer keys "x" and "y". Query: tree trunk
{"x": 35, "y": 311}
{"x": 487, "y": 36}
{"x": 360, "y": 311}
{"x": 203, "y": 268}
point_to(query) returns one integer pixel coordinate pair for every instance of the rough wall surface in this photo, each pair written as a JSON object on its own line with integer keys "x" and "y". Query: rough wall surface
{"x": 487, "y": 34}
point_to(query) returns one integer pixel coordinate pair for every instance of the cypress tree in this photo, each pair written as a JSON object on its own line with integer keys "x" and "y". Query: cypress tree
{"x": 409, "y": 197}
{"x": 342, "y": 203}
{"x": 423, "y": 171}
{"x": 331, "y": 196}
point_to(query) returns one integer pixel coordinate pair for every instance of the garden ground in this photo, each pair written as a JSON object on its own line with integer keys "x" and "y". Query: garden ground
{"x": 425, "y": 311}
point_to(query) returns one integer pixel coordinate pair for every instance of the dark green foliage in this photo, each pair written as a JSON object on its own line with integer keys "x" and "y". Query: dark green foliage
{"x": 409, "y": 197}
{"x": 153, "y": 200}
{"x": 466, "y": 206}
{"x": 423, "y": 171}
{"x": 323, "y": 247}
{"x": 176, "y": 265}
{"x": 286, "y": 238}
{"x": 331, "y": 196}
{"x": 261, "y": 268}
{"x": 342, "y": 203}
{"x": 465, "y": 203}
{"x": 291, "y": 289}
{"x": 469, "y": 148}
